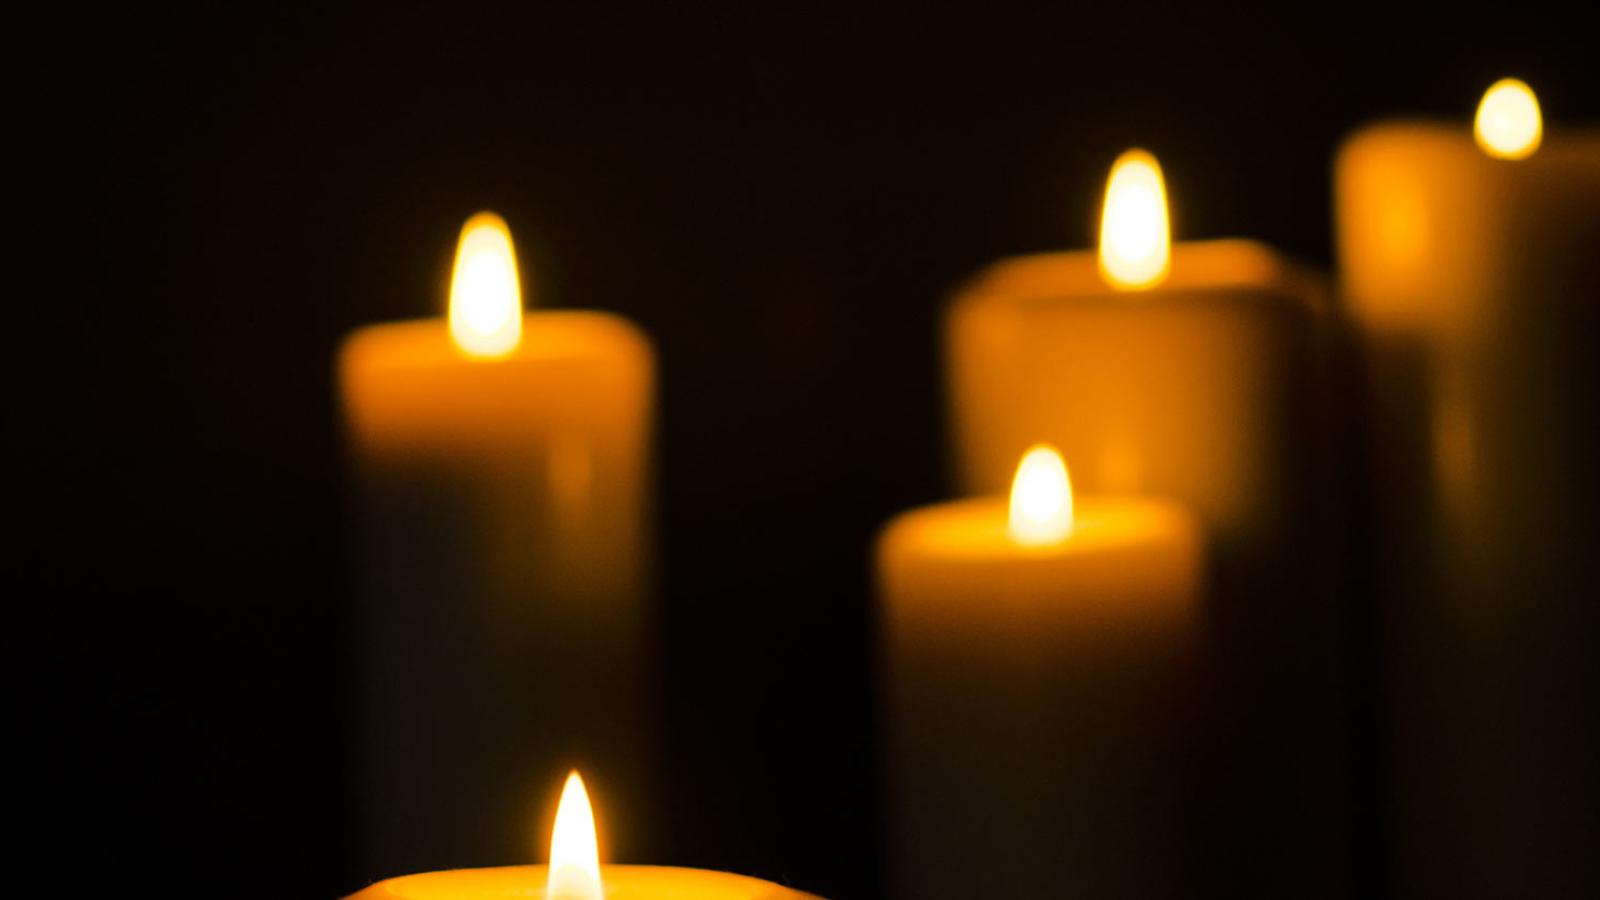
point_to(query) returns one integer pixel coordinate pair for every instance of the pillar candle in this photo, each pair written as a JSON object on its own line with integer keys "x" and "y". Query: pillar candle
{"x": 501, "y": 465}
{"x": 1471, "y": 266}
{"x": 575, "y": 873}
{"x": 1190, "y": 371}
{"x": 1033, "y": 656}
{"x": 1188, "y": 377}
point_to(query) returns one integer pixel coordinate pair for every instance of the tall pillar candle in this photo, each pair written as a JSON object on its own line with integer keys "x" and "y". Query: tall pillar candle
{"x": 1471, "y": 266}
{"x": 1189, "y": 371}
{"x": 501, "y": 464}
{"x": 1033, "y": 657}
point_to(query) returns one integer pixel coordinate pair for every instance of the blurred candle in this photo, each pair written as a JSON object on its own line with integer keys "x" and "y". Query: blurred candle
{"x": 1180, "y": 370}
{"x": 1189, "y": 371}
{"x": 1033, "y": 656}
{"x": 575, "y": 873}
{"x": 501, "y": 470}
{"x": 1471, "y": 263}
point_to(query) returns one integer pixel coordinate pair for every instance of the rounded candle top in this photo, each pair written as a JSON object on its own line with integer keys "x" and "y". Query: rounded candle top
{"x": 621, "y": 883}
{"x": 575, "y": 873}
{"x": 1129, "y": 562}
{"x": 978, "y": 528}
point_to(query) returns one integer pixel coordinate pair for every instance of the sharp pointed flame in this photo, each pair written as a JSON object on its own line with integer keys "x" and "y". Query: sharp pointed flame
{"x": 1135, "y": 243}
{"x": 1508, "y": 125}
{"x": 485, "y": 296}
{"x": 574, "y": 853}
{"x": 1041, "y": 498}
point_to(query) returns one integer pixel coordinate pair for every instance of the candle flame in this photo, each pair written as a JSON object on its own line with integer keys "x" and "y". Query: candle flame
{"x": 1041, "y": 498}
{"x": 574, "y": 852}
{"x": 1135, "y": 244}
{"x": 1508, "y": 124}
{"x": 485, "y": 297}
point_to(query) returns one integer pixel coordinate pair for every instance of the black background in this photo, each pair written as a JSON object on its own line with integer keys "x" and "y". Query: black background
{"x": 212, "y": 196}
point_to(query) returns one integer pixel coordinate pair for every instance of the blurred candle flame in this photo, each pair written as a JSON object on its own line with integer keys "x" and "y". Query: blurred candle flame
{"x": 1508, "y": 125}
{"x": 1135, "y": 243}
{"x": 485, "y": 297}
{"x": 1041, "y": 498}
{"x": 574, "y": 852}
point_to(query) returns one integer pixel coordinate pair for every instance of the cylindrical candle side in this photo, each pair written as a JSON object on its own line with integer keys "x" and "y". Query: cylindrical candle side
{"x": 1208, "y": 389}
{"x": 1033, "y": 701}
{"x": 1474, "y": 286}
{"x": 503, "y": 567}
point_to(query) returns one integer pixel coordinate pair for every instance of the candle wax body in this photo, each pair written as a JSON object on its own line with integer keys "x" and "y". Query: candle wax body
{"x": 1033, "y": 700}
{"x": 503, "y": 569}
{"x": 1205, "y": 389}
{"x": 1474, "y": 284}
{"x": 620, "y": 883}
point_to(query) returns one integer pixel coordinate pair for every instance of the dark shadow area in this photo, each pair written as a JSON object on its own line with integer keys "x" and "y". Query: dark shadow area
{"x": 213, "y": 196}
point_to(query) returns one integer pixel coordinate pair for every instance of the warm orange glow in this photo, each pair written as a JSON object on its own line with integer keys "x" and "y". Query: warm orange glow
{"x": 485, "y": 297}
{"x": 1041, "y": 498}
{"x": 574, "y": 852}
{"x": 1135, "y": 241}
{"x": 1508, "y": 124}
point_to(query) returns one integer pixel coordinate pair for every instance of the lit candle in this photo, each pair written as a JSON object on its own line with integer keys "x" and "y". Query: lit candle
{"x": 501, "y": 465}
{"x": 1034, "y": 651}
{"x": 575, "y": 873}
{"x": 1183, "y": 370}
{"x": 1190, "y": 371}
{"x": 1470, "y": 255}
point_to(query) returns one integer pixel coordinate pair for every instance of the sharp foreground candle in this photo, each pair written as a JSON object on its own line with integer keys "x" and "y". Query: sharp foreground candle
{"x": 501, "y": 464}
{"x": 575, "y": 873}
{"x": 1033, "y": 656}
{"x": 621, "y": 883}
{"x": 1192, "y": 375}
{"x": 1472, "y": 267}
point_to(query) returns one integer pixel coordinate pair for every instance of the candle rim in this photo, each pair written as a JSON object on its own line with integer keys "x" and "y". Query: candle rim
{"x": 547, "y": 335}
{"x": 1569, "y": 141}
{"x": 491, "y": 879}
{"x": 976, "y": 528}
{"x": 1064, "y": 278}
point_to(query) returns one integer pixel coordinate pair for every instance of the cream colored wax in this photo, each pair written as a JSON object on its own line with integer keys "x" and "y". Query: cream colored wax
{"x": 503, "y": 567}
{"x": 1033, "y": 694}
{"x": 1474, "y": 282}
{"x": 1200, "y": 381}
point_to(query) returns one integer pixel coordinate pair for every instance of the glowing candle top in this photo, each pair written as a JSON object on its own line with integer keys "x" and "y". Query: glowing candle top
{"x": 575, "y": 873}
